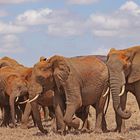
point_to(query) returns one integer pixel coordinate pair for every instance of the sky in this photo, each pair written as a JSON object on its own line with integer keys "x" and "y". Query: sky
{"x": 33, "y": 28}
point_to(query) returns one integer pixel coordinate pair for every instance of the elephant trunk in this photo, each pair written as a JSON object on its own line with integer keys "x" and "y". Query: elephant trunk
{"x": 37, "y": 117}
{"x": 115, "y": 87}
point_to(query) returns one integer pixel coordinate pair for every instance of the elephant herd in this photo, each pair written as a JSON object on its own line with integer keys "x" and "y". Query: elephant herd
{"x": 67, "y": 87}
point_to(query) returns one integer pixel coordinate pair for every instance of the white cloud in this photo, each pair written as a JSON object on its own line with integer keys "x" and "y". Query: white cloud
{"x": 131, "y": 7}
{"x": 11, "y": 28}
{"x": 82, "y": 1}
{"x": 14, "y": 1}
{"x": 59, "y": 23}
{"x": 34, "y": 17}
{"x": 10, "y": 44}
{"x": 64, "y": 23}
{"x": 122, "y": 23}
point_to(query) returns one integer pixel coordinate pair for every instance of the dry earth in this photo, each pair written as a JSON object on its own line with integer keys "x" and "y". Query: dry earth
{"x": 133, "y": 127}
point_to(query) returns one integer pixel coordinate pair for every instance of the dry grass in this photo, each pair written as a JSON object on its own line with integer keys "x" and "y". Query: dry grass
{"x": 133, "y": 126}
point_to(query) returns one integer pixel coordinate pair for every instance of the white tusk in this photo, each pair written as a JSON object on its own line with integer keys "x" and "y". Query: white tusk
{"x": 24, "y": 101}
{"x": 17, "y": 99}
{"x": 107, "y": 91}
{"x": 34, "y": 98}
{"x": 122, "y": 92}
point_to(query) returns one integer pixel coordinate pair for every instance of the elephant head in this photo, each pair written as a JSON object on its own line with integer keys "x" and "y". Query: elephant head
{"x": 16, "y": 85}
{"x": 123, "y": 66}
{"x": 49, "y": 74}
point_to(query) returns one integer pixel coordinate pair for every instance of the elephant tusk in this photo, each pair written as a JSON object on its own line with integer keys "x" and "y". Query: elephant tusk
{"x": 17, "y": 99}
{"x": 34, "y": 98}
{"x": 24, "y": 101}
{"x": 107, "y": 91}
{"x": 122, "y": 91}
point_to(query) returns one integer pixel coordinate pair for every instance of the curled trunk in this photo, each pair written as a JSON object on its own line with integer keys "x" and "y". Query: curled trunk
{"x": 115, "y": 86}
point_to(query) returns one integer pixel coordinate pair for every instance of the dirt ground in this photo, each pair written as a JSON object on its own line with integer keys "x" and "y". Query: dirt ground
{"x": 132, "y": 125}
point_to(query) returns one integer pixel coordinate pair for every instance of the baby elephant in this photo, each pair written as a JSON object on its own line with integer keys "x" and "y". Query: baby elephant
{"x": 44, "y": 100}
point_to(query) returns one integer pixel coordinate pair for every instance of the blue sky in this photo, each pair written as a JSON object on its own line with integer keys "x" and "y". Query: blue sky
{"x": 33, "y": 28}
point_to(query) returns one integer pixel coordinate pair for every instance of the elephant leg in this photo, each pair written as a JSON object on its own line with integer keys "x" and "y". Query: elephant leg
{"x": 119, "y": 121}
{"x": 25, "y": 116}
{"x": 46, "y": 112}
{"x": 6, "y": 116}
{"x": 12, "y": 107}
{"x": 59, "y": 113}
{"x": 104, "y": 124}
{"x": 136, "y": 92}
{"x": 84, "y": 117}
{"x": 98, "y": 124}
{"x": 33, "y": 118}
{"x": 100, "y": 118}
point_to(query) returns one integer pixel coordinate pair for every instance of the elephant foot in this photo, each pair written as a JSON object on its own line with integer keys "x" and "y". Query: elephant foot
{"x": 13, "y": 125}
{"x": 85, "y": 130}
{"x": 119, "y": 130}
{"x": 98, "y": 131}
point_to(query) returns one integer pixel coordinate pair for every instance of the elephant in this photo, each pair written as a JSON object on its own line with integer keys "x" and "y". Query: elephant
{"x": 124, "y": 76}
{"x": 4, "y": 103}
{"x": 44, "y": 100}
{"x": 47, "y": 99}
{"x": 12, "y": 84}
{"x": 79, "y": 81}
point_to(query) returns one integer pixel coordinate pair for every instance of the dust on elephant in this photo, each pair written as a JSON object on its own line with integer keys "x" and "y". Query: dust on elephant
{"x": 81, "y": 81}
{"x": 124, "y": 71}
{"x": 12, "y": 85}
{"x": 4, "y": 100}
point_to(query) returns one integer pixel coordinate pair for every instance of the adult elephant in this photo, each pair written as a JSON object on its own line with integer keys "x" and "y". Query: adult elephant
{"x": 4, "y": 100}
{"x": 124, "y": 71}
{"x": 13, "y": 83}
{"x": 80, "y": 81}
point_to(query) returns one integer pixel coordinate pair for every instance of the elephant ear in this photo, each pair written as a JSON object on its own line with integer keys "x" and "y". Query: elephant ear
{"x": 11, "y": 77}
{"x": 61, "y": 70}
{"x": 135, "y": 69}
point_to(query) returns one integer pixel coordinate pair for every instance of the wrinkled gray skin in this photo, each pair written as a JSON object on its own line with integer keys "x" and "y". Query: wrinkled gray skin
{"x": 81, "y": 81}
{"x": 124, "y": 69}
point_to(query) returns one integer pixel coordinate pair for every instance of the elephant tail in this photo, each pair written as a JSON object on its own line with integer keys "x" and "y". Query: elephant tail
{"x": 108, "y": 99}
